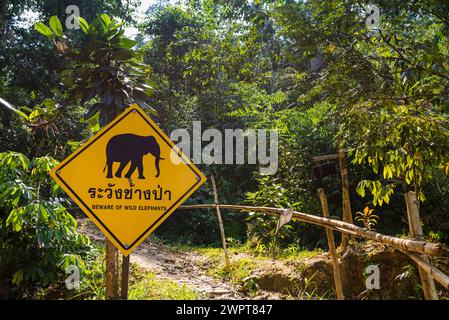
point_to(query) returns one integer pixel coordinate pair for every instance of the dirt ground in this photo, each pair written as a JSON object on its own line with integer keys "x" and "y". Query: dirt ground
{"x": 179, "y": 266}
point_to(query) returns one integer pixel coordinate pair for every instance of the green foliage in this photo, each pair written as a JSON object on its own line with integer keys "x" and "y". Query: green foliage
{"x": 386, "y": 96}
{"x": 412, "y": 161}
{"x": 29, "y": 65}
{"x": 42, "y": 28}
{"x": 367, "y": 218}
{"x": 92, "y": 285}
{"x": 311, "y": 291}
{"x": 270, "y": 194}
{"x": 38, "y": 235}
{"x": 303, "y": 134}
{"x": 148, "y": 287}
{"x": 291, "y": 252}
{"x": 199, "y": 53}
{"x": 261, "y": 227}
{"x": 388, "y": 87}
{"x": 105, "y": 72}
{"x": 56, "y": 26}
{"x": 238, "y": 273}
{"x": 209, "y": 65}
{"x": 46, "y": 127}
{"x": 381, "y": 193}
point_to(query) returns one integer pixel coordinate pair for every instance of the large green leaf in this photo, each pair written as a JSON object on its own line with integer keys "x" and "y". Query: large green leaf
{"x": 43, "y": 29}
{"x": 105, "y": 21}
{"x": 83, "y": 24}
{"x": 56, "y": 26}
{"x": 127, "y": 43}
{"x": 122, "y": 54}
{"x": 117, "y": 25}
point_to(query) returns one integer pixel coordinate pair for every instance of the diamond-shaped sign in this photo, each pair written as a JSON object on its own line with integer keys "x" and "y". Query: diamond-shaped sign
{"x": 128, "y": 178}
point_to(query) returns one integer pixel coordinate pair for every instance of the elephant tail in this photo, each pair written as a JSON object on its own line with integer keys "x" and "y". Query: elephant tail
{"x": 104, "y": 169}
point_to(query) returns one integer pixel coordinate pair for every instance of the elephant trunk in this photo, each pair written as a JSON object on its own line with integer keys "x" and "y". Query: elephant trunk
{"x": 155, "y": 150}
{"x": 156, "y": 162}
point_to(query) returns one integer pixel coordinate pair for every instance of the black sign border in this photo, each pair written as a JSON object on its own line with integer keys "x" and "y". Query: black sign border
{"x": 84, "y": 147}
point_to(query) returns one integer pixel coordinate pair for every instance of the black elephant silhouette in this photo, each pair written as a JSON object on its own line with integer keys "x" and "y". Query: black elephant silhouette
{"x": 126, "y": 148}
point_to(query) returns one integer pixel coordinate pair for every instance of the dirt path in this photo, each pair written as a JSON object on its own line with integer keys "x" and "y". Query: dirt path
{"x": 167, "y": 263}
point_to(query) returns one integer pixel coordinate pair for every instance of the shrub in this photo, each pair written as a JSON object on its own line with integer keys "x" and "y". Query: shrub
{"x": 38, "y": 235}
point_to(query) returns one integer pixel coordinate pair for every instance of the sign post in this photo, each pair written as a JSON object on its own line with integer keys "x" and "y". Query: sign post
{"x": 128, "y": 178}
{"x": 111, "y": 272}
{"x": 125, "y": 277}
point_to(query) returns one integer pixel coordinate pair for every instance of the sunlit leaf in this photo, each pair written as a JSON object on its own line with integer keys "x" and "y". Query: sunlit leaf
{"x": 56, "y": 26}
{"x": 43, "y": 29}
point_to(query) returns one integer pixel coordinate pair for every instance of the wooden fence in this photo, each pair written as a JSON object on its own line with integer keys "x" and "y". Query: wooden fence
{"x": 416, "y": 247}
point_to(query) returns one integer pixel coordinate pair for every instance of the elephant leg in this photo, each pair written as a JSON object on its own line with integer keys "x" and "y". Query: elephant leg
{"x": 131, "y": 169}
{"x": 110, "y": 163}
{"x": 123, "y": 164}
{"x": 140, "y": 168}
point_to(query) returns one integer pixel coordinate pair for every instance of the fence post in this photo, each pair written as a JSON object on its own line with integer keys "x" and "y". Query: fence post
{"x": 332, "y": 250}
{"x": 111, "y": 271}
{"x": 220, "y": 223}
{"x": 427, "y": 282}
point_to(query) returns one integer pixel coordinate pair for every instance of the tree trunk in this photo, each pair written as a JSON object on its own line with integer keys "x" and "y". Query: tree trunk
{"x": 347, "y": 214}
{"x": 3, "y": 20}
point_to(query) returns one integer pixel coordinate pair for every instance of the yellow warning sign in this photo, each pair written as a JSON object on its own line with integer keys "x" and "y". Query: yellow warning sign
{"x": 128, "y": 178}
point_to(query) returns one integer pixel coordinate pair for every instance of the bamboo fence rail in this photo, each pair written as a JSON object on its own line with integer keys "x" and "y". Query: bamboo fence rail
{"x": 404, "y": 245}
